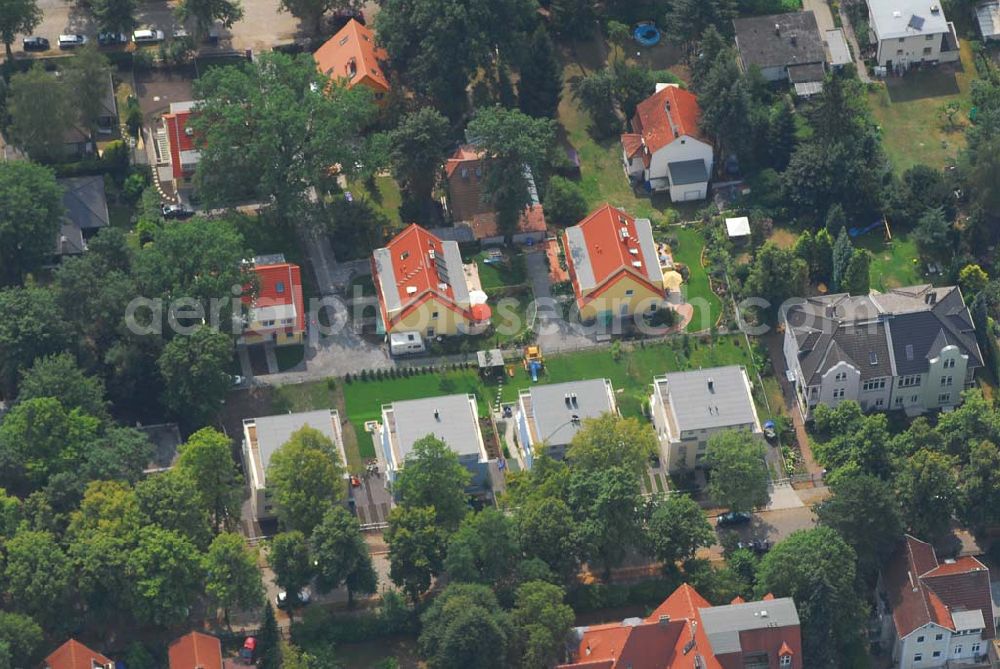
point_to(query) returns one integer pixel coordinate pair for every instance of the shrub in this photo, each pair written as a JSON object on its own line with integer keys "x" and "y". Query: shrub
{"x": 564, "y": 202}
{"x": 347, "y": 378}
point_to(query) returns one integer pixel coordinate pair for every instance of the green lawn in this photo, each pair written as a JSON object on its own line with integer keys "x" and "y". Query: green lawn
{"x": 892, "y": 262}
{"x": 510, "y": 272}
{"x": 698, "y": 290}
{"x": 909, "y": 111}
{"x": 385, "y": 197}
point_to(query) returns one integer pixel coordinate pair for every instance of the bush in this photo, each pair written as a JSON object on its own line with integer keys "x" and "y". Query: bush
{"x": 564, "y": 202}
{"x": 133, "y": 116}
{"x": 319, "y": 627}
{"x": 135, "y": 183}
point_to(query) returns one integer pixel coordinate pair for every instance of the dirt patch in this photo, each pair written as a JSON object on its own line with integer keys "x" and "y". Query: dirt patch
{"x": 783, "y": 238}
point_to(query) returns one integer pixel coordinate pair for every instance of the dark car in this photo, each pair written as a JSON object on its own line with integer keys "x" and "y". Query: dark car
{"x": 176, "y": 211}
{"x": 759, "y": 546}
{"x": 35, "y": 44}
{"x": 731, "y": 518}
{"x": 112, "y": 39}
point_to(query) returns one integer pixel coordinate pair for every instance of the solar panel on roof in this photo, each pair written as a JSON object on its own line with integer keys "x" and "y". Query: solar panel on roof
{"x": 916, "y": 22}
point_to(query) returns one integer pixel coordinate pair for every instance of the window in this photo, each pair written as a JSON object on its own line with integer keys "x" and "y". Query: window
{"x": 838, "y": 394}
{"x": 268, "y": 323}
{"x": 343, "y": 41}
{"x": 936, "y": 653}
{"x": 434, "y": 314}
{"x": 975, "y": 649}
{"x": 909, "y": 381}
{"x": 404, "y": 255}
{"x": 927, "y": 51}
{"x": 880, "y": 402}
{"x": 946, "y": 380}
{"x": 629, "y": 293}
{"x": 914, "y": 399}
{"x": 919, "y": 657}
{"x": 785, "y": 661}
{"x": 899, "y": 401}
{"x": 928, "y": 38}
{"x": 873, "y": 384}
{"x": 958, "y": 650}
{"x": 920, "y": 639}
{"x": 944, "y": 398}
{"x": 949, "y": 363}
{"x": 279, "y": 287}
{"x": 899, "y": 52}
{"x": 901, "y": 40}
{"x": 814, "y": 391}
{"x": 938, "y": 637}
{"x": 841, "y": 376}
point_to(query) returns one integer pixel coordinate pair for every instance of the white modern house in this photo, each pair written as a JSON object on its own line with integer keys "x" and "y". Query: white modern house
{"x": 911, "y": 348}
{"x": 552, "y": 414}
{"x": 454, "y": 419}
{"x": 666, "y": 149}
{"x": 911, "y": 32}
{"x": 689, "y": 407}
{"x": 935, "y": 614}
{"x": 263, "y": 436}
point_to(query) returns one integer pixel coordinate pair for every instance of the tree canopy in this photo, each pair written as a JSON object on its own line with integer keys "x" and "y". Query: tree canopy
{"x": 465, "y": 627}
{"x": 305, "y": 478}
{"x": 739, "y": 479}
{"x": 433, "y": 477}
{"x": 30, "y": 215}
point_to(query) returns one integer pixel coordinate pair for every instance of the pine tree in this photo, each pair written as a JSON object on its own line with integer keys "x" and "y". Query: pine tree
{"x": 268, "y": 641}
{"x": 843, "y": 252}
{"x": 857, "y": 279}
{"x": 823, "y": 254}
{"x": 781, "y": 134}
{"x": 541, "y": 77}
{"x": 805, "y": 248}
{"x": 711, "y": 45}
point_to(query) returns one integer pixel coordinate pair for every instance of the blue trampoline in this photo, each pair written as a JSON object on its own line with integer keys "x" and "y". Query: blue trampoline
{"x": 646, "y": 34}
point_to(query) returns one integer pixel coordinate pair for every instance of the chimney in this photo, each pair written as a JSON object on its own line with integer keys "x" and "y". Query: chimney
{"x": 576, "y": 404}
{"x": 777, "y": 28}
{"x": 568, "y": 401}
{"x": 664, "y": 619}
{"x": 930, "y": 297}
{"x": 437, "y": 415}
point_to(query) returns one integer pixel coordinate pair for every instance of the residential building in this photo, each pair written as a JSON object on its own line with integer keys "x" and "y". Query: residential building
{"x": 78, "y": 140}
{"x": 988, "y": 19}
{"x": 614, "y": 265}
{"x": 464, "y": 172}
{"x": 181, "y": 153}
{"x": 911, "y": 32}
{"x": 195, "y": 650}
{"x": 784, "y": 47}
{"x": 74, "y": 655}
{"x": 838, "y": 53}
{"x": 454, "y": 419}
{"x": 686, "y": 632}
{"x": 552, "y": 414}
{"x": 666, "y": 149}
{"x": 689, "y": 407}
{"x": 277, "y": 314}
{"x": 263, "y": 436}
{"x": 911, "y": 348}
{"x": 738, "y": 229}
{"x": 351, "y": 56}
{"x": 421, "y": 287}
{"x": 935, "y": 613}
{"x": 166, "y": 441}
{"x": 86, "y": 212}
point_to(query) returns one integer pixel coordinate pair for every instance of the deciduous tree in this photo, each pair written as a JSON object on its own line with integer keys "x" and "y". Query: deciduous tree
{"x": 739, "y": 478}
{"x": 195, "y": 371}
{"x": 565, "y": 203}
{"x": 87, "y": 74}
{"x": 979, "y": 486}
{"x": 23, "y": 638}
{"x": 205, "y": 13}
{"x": 433, "y": 477}
{"x": 28, "y": 331}
{"x": 30, "y": 215}
{"x": 677, "y": 528}
{"x": 927, "y": 492}
{"x": 305, "y": 478}
{"x": 311, "y": 12}
{"x": 541, "y": 77}
{"x": 612, "y": 441}
{"x": 40, "y": 113}
{"x": 687, "y": 20}
{"x": 207, "y": 458}
{"x": 166, "y": 571}
{"x": 542, "y": 623}
{"x": 341, "y": 555}
{"x": 484, "y": 549}
{"x": 232, "y": 578}
{"x": 418, "y": 147}
{"x": 857, "y": 278}
{"x": 60, "y": 377}
{"x": 173, "y": 501}
{"x": 115, "y": 16}
{"x": 776, "y": 275}
{"x": 416, "y": 548}
{"x": 465, "y": 627}
{"x": 547, "y": 531}
{"x": 289, "y": 558}
{"x": 18, "y": 17}
{"x": 607, "y": 503}
{"x": 38, "y": 576}
{"x": 865, "y": 512}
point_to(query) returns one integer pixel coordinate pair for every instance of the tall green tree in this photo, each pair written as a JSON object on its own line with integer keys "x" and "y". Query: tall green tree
{"x": 232, "y": 579}
{"x": 167, "y": 576}
{"x": 290, "y": 560}
{"x": 31, "y": 211}
{"x": 776, "y": 275}
{"x": 607, "y": 504}
{"x": 612, "y": 441}
{"x": 173, "y": 501}
{"x": 574, "y": 19}
{"x": 416, "y": 548}
{"x": 37, "y": 576}
{"x": 60, "y": 377}
{"x": 933, "y": 234}
{"x": 195, "y": 371}
{"x": 28, "y": 331}
{"x": 341, "y": 555}
{"x": 120, "y": 453}
{"x": 311, "y": 12}
{"x": 433, "y": 477}
{"x": 979, "y": 486}
{"x": 843, "y": 252}
{"x": 596, "y": 93}
{"x": 115, "y": 16}
{"x": 465, "y": 627}
{"x": 565, "y": 203}
{"x": 484, "y": 549}
{"x": 857, "y": 277}
{"x": 687, "y": 20}
{"x": 87, "y": 75}
{"x": 676, "y": 529}
{"x": 418, "y": 147}
{"x": 269, "y": 640}
{"x": 510, "y": 141}
{"x": 292, "y": 125}
{"x": 794, "y": 567}
{"x": 781, "y": 133}
{"x": 739, "y": 478}
{"x": 865, "y": 512}
{"x": 207, "y": 458}
{"x": 927, "y": 492}
{"x": 40, "y": 113}
{"x": 541, "y": 77}
{"x": 305, "y": 478}
{"x": 205, "y": 13}
{"x": 22, "y": 636}
{"x": 542, "y": 623}
{"x": 18, "y": 17}
{"x": 547, "y": 531}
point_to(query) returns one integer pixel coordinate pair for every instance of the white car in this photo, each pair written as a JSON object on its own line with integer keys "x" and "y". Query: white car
{"x": 71, "y": 41}
{"x": 281, "y": 600}
{"x": 147, "y": 36}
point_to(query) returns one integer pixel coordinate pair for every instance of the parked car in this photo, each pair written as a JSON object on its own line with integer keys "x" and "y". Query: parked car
{"x": 731, "y": 518}
{"x": 180, "y": 33}
{"x": 147, "y": 36}
{"x": 759, "y": 546}
{"x": 35, "y": 43}
{"x": 303, "y": 598}
{"x": 112, "y": 39}
{"x": 71, "y": 41}
{"x": 176, "y": 211}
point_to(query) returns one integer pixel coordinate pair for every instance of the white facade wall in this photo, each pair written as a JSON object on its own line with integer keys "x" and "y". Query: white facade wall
{"x": 910, "y": 50}
{"x": 840, "y": 383}
{"x": 925, "y": 641}
{"x": 682, "y": 148}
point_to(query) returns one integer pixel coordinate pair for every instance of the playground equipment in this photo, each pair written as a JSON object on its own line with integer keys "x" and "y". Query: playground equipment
{"x": 646, "y": 34}
{"x": 533, "y": 362}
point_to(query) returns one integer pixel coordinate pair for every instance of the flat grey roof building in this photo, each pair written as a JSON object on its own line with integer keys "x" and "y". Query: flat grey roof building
{"x": 837, "y": 51}
{"x": 892, "y": 19}
{"x": 555, "y": 411}
{"x": 269, "y": 433}
{"x": 713, "y": 398}
{"x": 453, "y": 419}
{"x": 723, "y": 624}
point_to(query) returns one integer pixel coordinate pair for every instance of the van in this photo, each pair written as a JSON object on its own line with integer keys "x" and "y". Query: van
{"x": 71, "y": 41}
{"x": 147, "y": 36}
{"x": 406, "y": 343}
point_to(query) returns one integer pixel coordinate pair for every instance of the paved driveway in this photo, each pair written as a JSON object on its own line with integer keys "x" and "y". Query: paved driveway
{"x": 824, "y": 17}
{"x": 555, "y": 333}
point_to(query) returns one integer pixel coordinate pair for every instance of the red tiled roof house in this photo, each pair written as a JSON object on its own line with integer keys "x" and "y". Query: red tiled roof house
{"x": 613, "y": 265}
{"x": 686, "y": 632}
{"x": 195, "y": 650}
{"x": 182, "y": 153}
{"x": 278, "y": 313}
{"x": 74, "y": 655}
{"x": 666, "y": 149}
{"x": 352, "y": 56}
{"x": 420, "y": 285}
{"x": 464, "y": 172}
{"x": 936, "y": 614}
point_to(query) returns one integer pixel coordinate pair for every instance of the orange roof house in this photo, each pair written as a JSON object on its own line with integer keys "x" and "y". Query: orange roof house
{"x": 352, "y": 55}
{"x": 686, "y": 632}
{"x": 195, "y": 650}
{"x": 464, "y": 172}
{"x": 666, "y": 148}
{"x": 613, "y": 263}
{"x": 183, "y": 154}
{"x": 278, "y": 312}
{"x": 74, "y": 655}
{"x": 420, "y": 284}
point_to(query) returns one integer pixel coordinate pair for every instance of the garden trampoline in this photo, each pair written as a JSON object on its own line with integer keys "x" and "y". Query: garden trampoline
{"x": 646, "y": 34}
